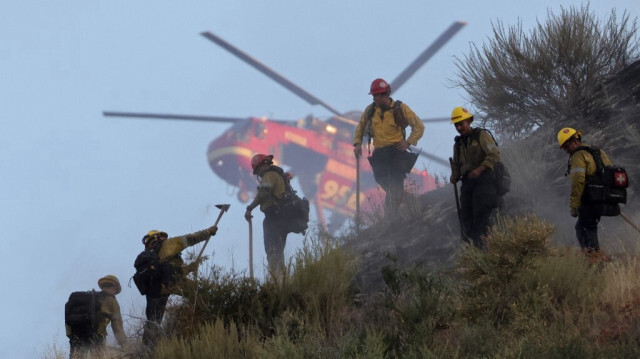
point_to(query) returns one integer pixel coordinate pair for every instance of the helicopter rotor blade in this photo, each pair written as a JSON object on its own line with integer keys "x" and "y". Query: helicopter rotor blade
{"x": 269, "y": 72}
{"x": 435, "y": 158}
{"x": 426, "y": 55}
{"x": 347, "y": 120}
{"x": 435, "y": 119}
{"x": 165, "y": 116}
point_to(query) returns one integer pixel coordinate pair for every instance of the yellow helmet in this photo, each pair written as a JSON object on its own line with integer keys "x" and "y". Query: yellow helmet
{"x": 460, "y": 114}
{"x": 110, "y": 281}
{"x": 566, "y": 134}
{"x": 152, "y": 236}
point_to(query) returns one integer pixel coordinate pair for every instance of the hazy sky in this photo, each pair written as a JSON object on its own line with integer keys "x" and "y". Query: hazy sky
{"x": 78, "y": 190}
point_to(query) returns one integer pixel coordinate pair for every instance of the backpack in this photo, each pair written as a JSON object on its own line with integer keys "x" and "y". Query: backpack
{"x": 291, "y": 207}
{"x": 607, "y": 187}
{"x": 151, "y": 274}
{"x": 503, "y": 178}
{"x": 398, "y": 116}
{"x": 83, "y": 313}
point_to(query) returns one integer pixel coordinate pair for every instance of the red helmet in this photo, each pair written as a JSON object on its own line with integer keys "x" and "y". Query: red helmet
{"x": 379, "y": 86}
{"x": 259, "y": 159}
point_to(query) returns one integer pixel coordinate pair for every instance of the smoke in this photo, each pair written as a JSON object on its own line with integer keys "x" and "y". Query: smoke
{"x": 426, "y": 231}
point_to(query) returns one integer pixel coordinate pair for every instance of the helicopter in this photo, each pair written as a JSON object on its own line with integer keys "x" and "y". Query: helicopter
{"x": 320, "y": 152}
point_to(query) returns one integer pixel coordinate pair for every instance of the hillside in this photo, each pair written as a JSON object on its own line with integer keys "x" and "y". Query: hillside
{"x": 427, "y": 233}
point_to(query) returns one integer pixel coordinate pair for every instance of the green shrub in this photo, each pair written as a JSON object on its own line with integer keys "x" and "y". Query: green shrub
{"x": 492, "y": 288}
{"x": 229, "y": 297}
{"x": 310, "y": 300}
{"x": 320, "y": 285}
{"x": 573, "y": 285}
{"x": 420, "y": 305}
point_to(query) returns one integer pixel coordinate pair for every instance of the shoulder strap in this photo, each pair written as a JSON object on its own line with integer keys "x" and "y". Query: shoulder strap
{"x": 156, "y": 249}
{"x": 398, "y": 116}
{"x": 595, "y": 153}
{"x": 370, "y": 110}
{"x": 280, "y": 171}
{"x": 475, "y": 134}
{"x": 101, "y": 295}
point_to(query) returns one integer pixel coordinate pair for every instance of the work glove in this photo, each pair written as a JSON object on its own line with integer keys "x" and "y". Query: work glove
{"x": 574, "y": 212}
{"x": 357, "y": 150}
{"x": 212, "y": 230}
{"x": 248, "y": 215}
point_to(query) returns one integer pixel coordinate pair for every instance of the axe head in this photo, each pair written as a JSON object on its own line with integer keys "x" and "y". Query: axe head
{"x": 223, "y": 207}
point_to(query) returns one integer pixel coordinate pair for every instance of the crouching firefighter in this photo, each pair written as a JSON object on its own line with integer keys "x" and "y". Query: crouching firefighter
{"x": 87, "y": 315}
{"x": 159, "y": 268}
{"x": 474, "y": 156}
{"x": 279, "y": 218}
{"x": 597, "y": 187}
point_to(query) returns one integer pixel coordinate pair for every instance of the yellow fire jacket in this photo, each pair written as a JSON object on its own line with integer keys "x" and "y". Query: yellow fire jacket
{"x": 172, "y": 246}
{"x": 111, "y": 309}
{"x": 582, "y": 165}
{"x": 384, "y": 128}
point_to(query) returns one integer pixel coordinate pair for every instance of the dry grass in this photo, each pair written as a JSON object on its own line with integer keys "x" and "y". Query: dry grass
{"x": 522, "y": 297}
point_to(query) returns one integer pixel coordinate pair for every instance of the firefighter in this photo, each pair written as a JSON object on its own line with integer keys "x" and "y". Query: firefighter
{"x": 270, "y": 190}
{"x": 82, "y": 343}
{"x": 162, "y": 263}
{"x": 581, "y": 166}
{"x": 474, "y": 156}
{"x": 385, "y": 121}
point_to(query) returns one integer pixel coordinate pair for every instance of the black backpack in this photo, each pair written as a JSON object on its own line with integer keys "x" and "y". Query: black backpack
{"x": 291, "y": 207}
{"x": 83, "y": 313}
{"x": 607, "y": 187}
{"x": 503, "y": 178}
{"x": 151, "y": 274}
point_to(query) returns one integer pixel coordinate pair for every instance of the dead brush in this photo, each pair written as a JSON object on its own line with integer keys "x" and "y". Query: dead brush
{"x": 624, "y": 326}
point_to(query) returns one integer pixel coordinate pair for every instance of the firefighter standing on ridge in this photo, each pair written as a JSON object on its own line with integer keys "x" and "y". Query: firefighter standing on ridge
{"x": 385, "y": 120}
{"x": 271, "y": 189}
{"x": 82, "y": 343}
{"x": 581, "y": 166}
{"x": 162, "y": 262}
{"x": 474, "y": 156}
